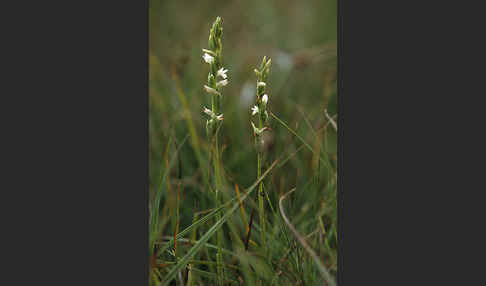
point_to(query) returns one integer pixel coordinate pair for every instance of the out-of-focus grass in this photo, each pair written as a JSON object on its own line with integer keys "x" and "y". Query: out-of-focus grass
{"x": 300, "y": 37}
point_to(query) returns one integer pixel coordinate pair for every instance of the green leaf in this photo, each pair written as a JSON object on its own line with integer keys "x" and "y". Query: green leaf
{"x": 200, "y": 243}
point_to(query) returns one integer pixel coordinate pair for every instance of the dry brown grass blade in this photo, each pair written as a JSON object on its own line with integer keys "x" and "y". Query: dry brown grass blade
{"x": 242, "y": 210}
{"x": 333, "y": 123}
{"x": 248, "y": 233}
{"x": 325, "y": 274}
{"x": 177, "y": 217}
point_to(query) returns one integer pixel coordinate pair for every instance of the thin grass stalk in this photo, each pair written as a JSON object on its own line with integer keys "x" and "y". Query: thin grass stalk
{"x": 217, "y": 78}
{"x": 155, "y": 225}
{"x": 202, "y": 241}
{"x": 261, "y": 210}
{"x": 242, "y": 210}
{"x": 219, "y": 233}
{"x": 260, "y": 110}
{"x": 325, "y": 274}
{"x": 190, "y": 126}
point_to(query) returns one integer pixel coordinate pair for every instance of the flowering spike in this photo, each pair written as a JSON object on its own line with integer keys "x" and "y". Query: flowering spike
{"x": 262, "y": 98}
{"x": 264, "y": 61}
{"x": 260, "y": 109}
{"x": 217, "y": 77}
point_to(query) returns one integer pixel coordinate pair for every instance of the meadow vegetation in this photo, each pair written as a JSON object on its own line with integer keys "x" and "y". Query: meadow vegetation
{"x": 243, "y": 175}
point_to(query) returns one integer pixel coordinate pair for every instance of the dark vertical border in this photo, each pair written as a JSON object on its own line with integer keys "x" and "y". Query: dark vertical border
{"x": 79, "y": 151}
{"x": 81, "y": 145}
{"x": 145, "y": 253}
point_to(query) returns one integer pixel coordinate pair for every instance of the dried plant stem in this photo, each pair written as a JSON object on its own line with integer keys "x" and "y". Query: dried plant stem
{"x": 333, "y": 123}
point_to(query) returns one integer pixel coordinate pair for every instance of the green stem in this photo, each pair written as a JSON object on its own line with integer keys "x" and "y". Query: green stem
{"x": 260, "y": 192}
{"x": 213, "y": 105}
{"x": 217, "y": 189}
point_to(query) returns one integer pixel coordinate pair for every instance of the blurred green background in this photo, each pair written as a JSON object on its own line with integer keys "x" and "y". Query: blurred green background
{"x": 300, "y": 38}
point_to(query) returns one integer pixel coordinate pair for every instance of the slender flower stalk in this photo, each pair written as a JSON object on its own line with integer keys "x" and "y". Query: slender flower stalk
{"x": 217, "y": 78}
{"x": 260, "y": 110}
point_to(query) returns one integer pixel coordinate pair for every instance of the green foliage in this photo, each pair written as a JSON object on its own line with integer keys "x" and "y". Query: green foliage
{"x": 300, "y": 37}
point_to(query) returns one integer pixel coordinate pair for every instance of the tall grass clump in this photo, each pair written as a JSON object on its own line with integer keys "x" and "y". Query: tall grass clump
{"x": 232, "y": 204}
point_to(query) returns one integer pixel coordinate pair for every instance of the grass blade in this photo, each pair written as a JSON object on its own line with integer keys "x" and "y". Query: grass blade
{"x": 301, "y": 240}
{"x": 190, "y": 125}
{"x": 158, "y": 196}
{"x": 297, "y": 135}
{"x": 184, "y": 260}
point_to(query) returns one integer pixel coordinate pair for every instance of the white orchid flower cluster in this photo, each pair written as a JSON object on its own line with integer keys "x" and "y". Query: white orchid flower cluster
{"x": 260, "y": 108}
{"x": 217, "y": 77}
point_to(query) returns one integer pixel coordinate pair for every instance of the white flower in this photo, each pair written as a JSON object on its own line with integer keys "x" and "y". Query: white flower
{"x": 222, "y": 73}
{"x": 261, "y": 83}
{"x": 211, "y": 90}
{"x": 222, "y": 83}
{"x": 265, "y": 98}
{"x": 254, "y": 110}
{"x": 208, "y": 112}
{"x": 212, "y": 115}
{"x": 208, "y": 58}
